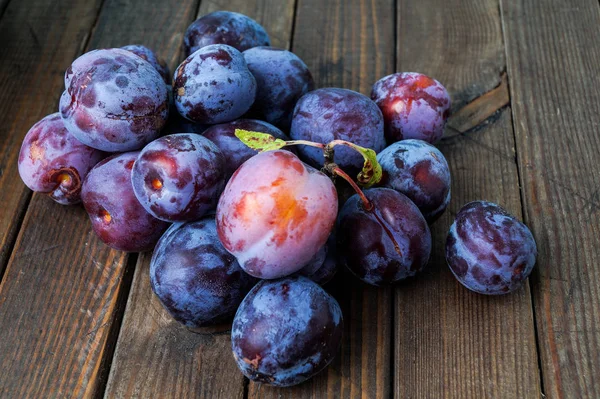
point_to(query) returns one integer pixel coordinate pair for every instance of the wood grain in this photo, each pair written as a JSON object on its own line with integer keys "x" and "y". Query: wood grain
{"x": 347, "y": 44}
{"x": 156, "y": 356}
{"x": 64, "y": 340}
{"x": 479, "y": 110}
{"x": 553, "y": 51}
{"x": 38, "y": 40}
{"x": 450, "y": 342}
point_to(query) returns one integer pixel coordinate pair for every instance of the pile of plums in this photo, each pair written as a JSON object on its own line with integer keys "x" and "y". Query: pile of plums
{"x": 252, "y": 236}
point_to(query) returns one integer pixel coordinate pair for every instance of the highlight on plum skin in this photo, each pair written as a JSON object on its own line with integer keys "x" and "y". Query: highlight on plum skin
{"x": 116, "y": 215}
{"x": 488, "y": 250}
{"x": 420, "y": 171}
{"x": 286, "y": 331}
{"x": 275, "y": 214}
{"x": 158, "y": 63}
{"x": 225, "y": 27}
{"x": 214, "y": 85}
{"x": 234, "y": 151}
{"x": 414, "y": 106}
{"x": 179, "y": 177}
{"x": 384, "y": 245}
{"x": 328, "y": 114}
{"x": 114, "y": 100}
{"x": 53, "y": 162}
{"x": 198, "y": 282}
{"x": 282, "y": 78}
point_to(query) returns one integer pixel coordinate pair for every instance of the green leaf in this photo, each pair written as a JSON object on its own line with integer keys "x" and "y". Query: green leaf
{"x": 371, "y": 172}
{"x": 259, "y": 141}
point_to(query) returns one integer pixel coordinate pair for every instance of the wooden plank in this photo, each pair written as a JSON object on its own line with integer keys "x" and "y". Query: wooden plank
{"x": 38, "y": 39}
{"x": 63, "y": 341}
{"x": 553, "y": 50}
{"x": 348, "y": 44}
{"x": 450, "y": 342}
{"x": 158, "y": 357}
{"x": 479, "y": 110}
{"x": 155, "y": 356}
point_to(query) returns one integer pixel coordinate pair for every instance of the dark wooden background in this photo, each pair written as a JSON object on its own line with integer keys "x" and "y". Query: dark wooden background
{"x": 79, "y": 320}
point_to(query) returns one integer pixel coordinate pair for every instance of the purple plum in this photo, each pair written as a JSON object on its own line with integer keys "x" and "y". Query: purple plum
{"x": 286, "y": 331}
{"x": 114, "y": 100}
{"x": 158, "y": 63}
{"x": 329, "y": 114}
{"x": 385, "y": 244}
{"x": 195, "y": 278}
{"x": 236, "y": 152}
{"x": 488, "y": 250}
{"x": 414, "y": 106}
{"x": 281, "y": 78}
{"x": 179, "y": 177}
{"x": 224, "y": 27}
{"x": 53, "y": 162}
{"x": 214, "y": 85}
{"x": 116, "y": 215}
{"x": 418, "y": 170}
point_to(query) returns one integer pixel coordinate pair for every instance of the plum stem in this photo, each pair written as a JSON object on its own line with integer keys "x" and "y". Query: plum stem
{"x": 335, "y": 170}
{"x": 305, "y": 142}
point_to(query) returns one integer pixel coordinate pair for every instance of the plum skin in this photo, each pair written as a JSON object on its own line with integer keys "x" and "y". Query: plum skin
{"x": 116, "y": 215}
{"x": 414, "y": 106}
{"x": 179, "y": 177}
{"x": 198, "y": 282}
{"x": 53, "y": 162}
{"x": 149, "y": 55}
{"x": 387, "y": 244}
{"x": 420, "y": 171}
{"x": 275, "y": 214}
{"x": 330, "y": 114}
{"x": 234, "y": 151}
{"x": 114, "y": 100}
{"x": 225, "y": 27}
{"x": 488, "y": 250}
{"x": 282, "y": 78}
{"x": 214, "y": 85}
{"x": 286, "y": 331}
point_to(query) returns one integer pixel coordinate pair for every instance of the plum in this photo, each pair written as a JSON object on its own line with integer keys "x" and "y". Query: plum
{"x": 281, "y": 78}
{"x": 236, "y": 152}
{"x": 179, "y": 177}
{"x": 214, "y": 85}
{"x": 116, "y": 215}
{"x": 195, "y": 278}
{"x": 224, "y": 27}
{"x": 323, "y": 266}
{"x": 414, "y": 106}
{"x": 275, "y": 213}
{"x": 53, "y": 162}
{"x": 418, "y": 170}
{"x": 158, "y": 63}
{"x": 286, "y": 331}
{"x": 488, "y": 250}
{"x": 330, "y": 114}
{"x": 114, "y": 100}
{"x": 385, "y": 244}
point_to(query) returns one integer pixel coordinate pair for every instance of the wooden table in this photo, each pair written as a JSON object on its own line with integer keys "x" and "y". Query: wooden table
{"x": 78, "y": 319}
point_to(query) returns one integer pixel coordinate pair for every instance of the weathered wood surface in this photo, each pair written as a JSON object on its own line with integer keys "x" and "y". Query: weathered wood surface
{"x": 344, "y": 47}
{"x": 38, "y": 39}
{"x": 74, "y": 286}
{"x": 155, "y": 355}
{"x": 524, "y": 133}
{"x": 450, "y": 342}
{"x": 553, "y": 50}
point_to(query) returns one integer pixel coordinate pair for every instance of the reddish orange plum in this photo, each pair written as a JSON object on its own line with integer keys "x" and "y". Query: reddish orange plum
{"x": 275, "y": 214}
